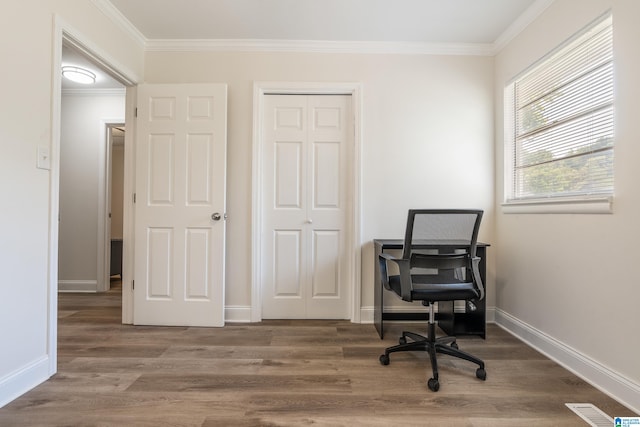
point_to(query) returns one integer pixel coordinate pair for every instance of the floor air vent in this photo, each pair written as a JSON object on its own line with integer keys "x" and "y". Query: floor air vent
{"x": 591, "y": 414}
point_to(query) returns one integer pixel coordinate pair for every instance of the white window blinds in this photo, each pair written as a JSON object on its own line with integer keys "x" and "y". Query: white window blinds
{"x": 563, "y": 130}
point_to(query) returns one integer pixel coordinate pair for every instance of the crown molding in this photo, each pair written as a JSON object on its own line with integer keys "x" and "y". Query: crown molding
{"x": 315, "y": 46}
{"x": 520, "y": 24}
{"x": 111, "y": 12}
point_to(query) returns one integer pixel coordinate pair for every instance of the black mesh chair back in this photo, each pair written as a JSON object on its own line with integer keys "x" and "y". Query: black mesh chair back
{"x": 437, "y": 225}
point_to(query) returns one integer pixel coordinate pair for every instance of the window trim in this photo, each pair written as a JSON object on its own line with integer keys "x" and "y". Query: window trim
{"x": 601, "y": 203}
{"x": 559, "y": 205}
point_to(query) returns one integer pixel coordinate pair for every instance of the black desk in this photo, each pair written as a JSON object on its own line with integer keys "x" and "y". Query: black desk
{"x": 461, "y": 323}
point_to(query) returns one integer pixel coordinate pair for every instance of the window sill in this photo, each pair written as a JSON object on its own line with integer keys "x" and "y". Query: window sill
{"x": 591, "y": 205}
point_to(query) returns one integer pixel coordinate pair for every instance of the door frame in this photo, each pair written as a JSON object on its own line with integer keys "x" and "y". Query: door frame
{"x": 104, "y": 203}
{"x": 260, "y": 89}
{"x": 65, "y": 33}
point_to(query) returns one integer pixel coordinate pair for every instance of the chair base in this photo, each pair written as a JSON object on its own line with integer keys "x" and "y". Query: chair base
{"x": 433, "y": 345}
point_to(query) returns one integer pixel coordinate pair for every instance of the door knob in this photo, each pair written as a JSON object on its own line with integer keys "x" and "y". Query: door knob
{"x": 309, "y": 221}
{"x": 216, "y": 216}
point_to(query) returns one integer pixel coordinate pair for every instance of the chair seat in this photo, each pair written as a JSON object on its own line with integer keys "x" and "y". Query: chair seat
{"x": 429, "y": 287}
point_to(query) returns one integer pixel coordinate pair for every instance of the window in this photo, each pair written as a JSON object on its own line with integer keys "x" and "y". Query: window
{"x": 559, "y": 122}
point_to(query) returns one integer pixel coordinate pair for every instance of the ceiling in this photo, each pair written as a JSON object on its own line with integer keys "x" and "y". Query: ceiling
{"x": 417, "y": 22}
{"x": 72, "y": 56}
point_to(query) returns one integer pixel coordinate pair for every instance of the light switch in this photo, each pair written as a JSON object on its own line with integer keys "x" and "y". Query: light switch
{"x": 44, "y": 160}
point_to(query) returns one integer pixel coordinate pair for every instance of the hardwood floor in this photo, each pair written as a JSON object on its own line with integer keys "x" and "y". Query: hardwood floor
{"x": 285, "y": 373}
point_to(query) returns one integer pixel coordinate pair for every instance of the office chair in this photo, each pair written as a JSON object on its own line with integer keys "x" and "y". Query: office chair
{"x": 438, "y": 263}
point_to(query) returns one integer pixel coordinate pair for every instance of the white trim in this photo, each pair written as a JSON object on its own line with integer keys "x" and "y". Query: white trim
{"x": 21, "y": 381}
{"x": 104, "y": 202}
{"x": 89, "y": 286}
{"x": 601, "y": 377}
{"x": 585, "y": 205}
{"x": 237, "y": 313}
{"x": 256, "y": 211}
{"x": 111, "y": 12}
{"x": 128, "y": 209}
{"x": 522, "y": 22}
{"x": 317, "y": 46}
{"x": 54, "y": 196}
{"x": 366, "y": 314}
{"x": 259, "y": 90}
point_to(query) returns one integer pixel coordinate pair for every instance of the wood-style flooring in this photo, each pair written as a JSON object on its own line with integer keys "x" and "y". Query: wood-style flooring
{"x": 285, "y": 373}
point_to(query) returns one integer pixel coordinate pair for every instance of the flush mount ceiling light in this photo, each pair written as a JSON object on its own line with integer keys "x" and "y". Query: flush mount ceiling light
{"x": 78, "y": 75}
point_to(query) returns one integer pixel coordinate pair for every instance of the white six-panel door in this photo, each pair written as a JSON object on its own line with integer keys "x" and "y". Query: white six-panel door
{"x": 308, "y": 150}
{"x": 180, "y": 205}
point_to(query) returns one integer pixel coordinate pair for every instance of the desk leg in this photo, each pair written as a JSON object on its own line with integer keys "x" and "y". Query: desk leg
{"x": 378, "y": 306}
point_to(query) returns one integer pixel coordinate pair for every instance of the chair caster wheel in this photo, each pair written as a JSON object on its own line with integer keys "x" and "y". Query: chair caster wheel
{"x": 481, "y": 374}
{"x": 454, "y": 345}
{"x": 402, "y": 340}
{"x": 384, "y": 359}
{"x": 433, "y": 384}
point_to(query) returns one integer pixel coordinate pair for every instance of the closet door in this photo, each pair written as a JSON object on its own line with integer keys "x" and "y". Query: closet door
{"x": 308, "y": 145}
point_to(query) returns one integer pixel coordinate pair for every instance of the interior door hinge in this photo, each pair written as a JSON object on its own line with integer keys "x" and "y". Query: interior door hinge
{"x": 133, "y": 285}
{"x": 135, "y": 112}
{"x": 134, "y": 197}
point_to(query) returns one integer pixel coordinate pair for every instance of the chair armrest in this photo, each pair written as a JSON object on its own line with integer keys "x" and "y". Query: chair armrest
{"x": 405, "y": 274}
{"x": 475, "y": 263}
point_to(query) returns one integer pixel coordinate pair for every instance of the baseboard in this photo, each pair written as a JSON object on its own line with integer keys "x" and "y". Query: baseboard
{"x": 77, "y": 286}
{"x": 21, "y": 381}
{"x": 606, "y": 380}
{"x": 238, "y": 314}
{"x": 366, "y": 314}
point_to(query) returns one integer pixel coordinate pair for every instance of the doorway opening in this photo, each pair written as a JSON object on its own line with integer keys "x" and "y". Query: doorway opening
{"x": 89, "y": 116}
{"x": 114, "y": 198}
{"x": 68, "y": 41}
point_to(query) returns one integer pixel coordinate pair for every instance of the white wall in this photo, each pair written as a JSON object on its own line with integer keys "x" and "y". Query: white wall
{"x": 82, "y": 157}
{"x": 427, "y": 137}
{"x": 26, "y": 122}
{"x": 566, "y": 282}
{"x": 117, "y": 187}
